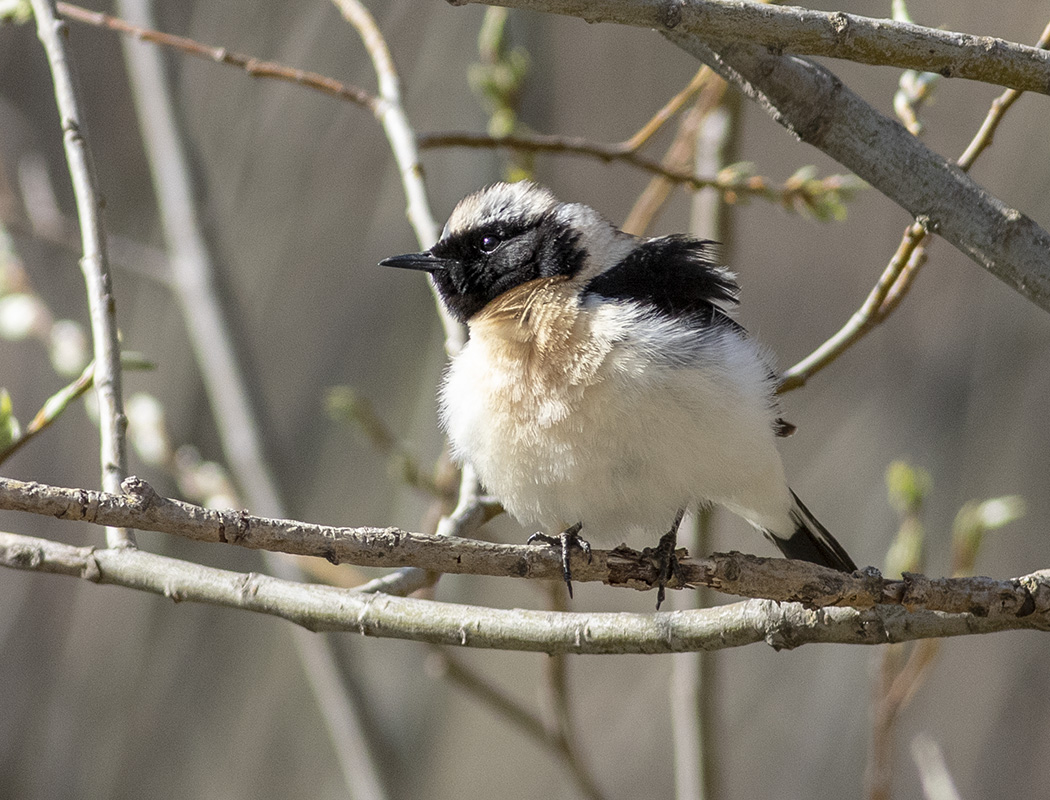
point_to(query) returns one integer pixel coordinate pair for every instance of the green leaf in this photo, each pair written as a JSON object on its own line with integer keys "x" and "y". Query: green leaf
{"x": 907, "y": 486}
{"x": 10, "y": 430}
{"x": 974, "y": 520}
{"x": 16, "y": 11}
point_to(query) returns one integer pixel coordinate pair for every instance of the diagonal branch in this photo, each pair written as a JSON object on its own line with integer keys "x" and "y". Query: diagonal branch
{"x": 802, "y": 31}
{"x": 256, "y": 67}
{"x": 815, "y": 105}
{"x": 909, "y": 258}
{"x": 820, "y": 110}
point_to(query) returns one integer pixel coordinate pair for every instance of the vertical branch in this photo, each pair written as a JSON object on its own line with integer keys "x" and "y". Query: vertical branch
{"x": 402, "y": 138}
{"x": 93, "y": 263}
{"x": 206, "y": 325}
{"x": 193, "y": 273}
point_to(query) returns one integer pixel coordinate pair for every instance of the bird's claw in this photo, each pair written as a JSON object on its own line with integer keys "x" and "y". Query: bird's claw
{"x": 666, "y": 564}
{"x": 565, "y": 541}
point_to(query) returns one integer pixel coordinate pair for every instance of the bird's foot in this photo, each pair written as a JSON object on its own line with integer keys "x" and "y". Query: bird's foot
{"x": 565, "y": 541}
{"x": 666, "y": 563}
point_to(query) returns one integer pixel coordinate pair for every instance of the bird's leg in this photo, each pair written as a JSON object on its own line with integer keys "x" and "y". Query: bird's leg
{"x": 665, "y": 560}
{"x": 565, "y": 540}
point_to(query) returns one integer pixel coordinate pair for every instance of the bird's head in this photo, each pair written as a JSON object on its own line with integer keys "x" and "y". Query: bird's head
{"x": 509, "y": 234}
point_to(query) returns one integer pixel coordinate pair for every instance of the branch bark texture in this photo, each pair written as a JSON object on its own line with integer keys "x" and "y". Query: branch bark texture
{"x": 778, "y": 580}
{"x": 781, "y": 625}
{"x": 94, "y": 263}
{"x": 814, "y": 105}
{"x": 803, "y": 31}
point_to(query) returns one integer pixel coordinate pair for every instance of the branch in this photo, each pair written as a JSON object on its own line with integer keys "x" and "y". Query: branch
{"x": 255, "y": 67}
{"x": 93, "y": 263}
{"x": 898, "y": 276}
{"x": 893, "y": 283}
{"x": 206, "y": 325}
{"x": 730, "y": 183}
{"x": 781, "y": 625}
{"x": 816, "y": 107}
{"x": 801, "y": 31}
{"x": 402, "y": 139}
{"x": 779, "y": 580}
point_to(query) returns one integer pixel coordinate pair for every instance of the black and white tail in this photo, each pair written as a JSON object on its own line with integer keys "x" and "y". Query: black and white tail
{"x": 811, "y": 541}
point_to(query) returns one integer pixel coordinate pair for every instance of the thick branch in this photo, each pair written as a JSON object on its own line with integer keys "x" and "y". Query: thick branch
{"x": 781, "y": 625}
{"x": 734, "y": 573}
{"x": 802, "y": 31}
{"x": 815, "y": 105}
{"x": 817, "y": 108}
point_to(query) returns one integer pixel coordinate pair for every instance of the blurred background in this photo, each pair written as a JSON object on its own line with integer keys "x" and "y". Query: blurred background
{"x": 113, "y": 693}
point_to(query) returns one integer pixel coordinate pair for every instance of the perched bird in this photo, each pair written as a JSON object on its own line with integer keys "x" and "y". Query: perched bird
{"x": 603, "y": 388}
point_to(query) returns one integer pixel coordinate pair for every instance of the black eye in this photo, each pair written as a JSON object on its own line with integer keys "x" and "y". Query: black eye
{"x": 489, "y": 243}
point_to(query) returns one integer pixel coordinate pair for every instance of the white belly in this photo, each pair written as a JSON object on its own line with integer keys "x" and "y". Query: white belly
{"x": 620, "y": 443}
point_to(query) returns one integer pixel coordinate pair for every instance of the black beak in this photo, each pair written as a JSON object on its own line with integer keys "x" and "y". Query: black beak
{"x": 427, "y": 262}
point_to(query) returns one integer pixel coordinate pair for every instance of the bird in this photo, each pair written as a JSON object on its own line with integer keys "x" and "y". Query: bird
{"x": 604, "y": 389}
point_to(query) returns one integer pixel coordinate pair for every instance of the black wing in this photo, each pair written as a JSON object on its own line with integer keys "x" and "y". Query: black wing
{"x": 676, "y": 275}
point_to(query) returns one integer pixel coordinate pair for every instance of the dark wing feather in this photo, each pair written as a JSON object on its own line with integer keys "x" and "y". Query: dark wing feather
{"x": 676, "y": 275}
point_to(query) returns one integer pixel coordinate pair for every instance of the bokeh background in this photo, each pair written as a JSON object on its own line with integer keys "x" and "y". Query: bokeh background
{"x": 111, "y": 693}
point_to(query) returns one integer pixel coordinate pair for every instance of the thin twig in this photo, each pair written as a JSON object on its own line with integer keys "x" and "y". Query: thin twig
{"x": 802, "y": 31}
{"x": 870, "y": 314}
{"x": 46, "y": 416}
{"x": 680, "y": 156}
{"x": 670, "y": 108}
{"x": 730, "y": 184}
{"x": 59, "y": 402}
{"x": 899, "y": 275}
{"x": 255, "y": 67}
{"x": 93, "y": 263}
{"x": 402, "y": 139}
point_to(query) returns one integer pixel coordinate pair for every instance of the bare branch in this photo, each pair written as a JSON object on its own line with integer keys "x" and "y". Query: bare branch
{"x": 734, "y": 573}
{"x": 93, "y": 263}
{"x": 898, "y": 276}
{"x": 906, "y": 261}
{"x": 781, "y": 625}
{"x": 255, "y": 67}
{"x": 817, "y": 108}
{"x": 802, "y": 31}
{"x": 399, "y": 133}
{"x": 733, "y": 185}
